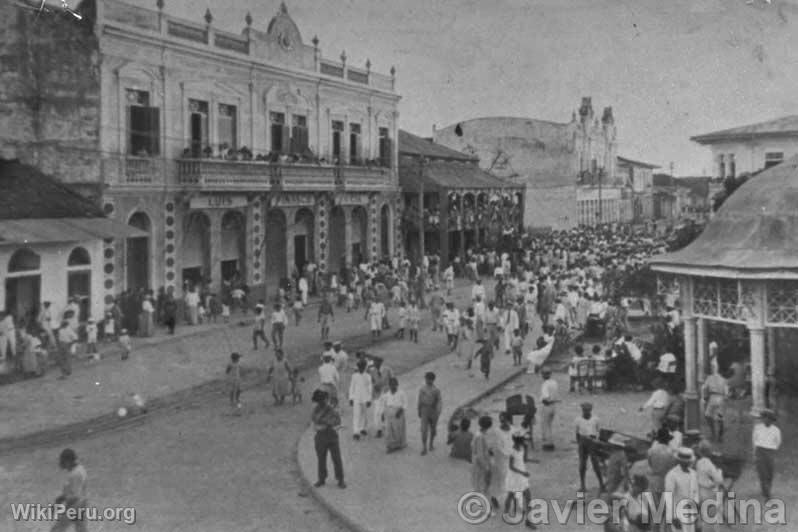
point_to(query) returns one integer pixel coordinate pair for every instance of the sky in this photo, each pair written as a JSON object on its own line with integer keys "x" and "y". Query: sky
{"x": 670, "y": 69}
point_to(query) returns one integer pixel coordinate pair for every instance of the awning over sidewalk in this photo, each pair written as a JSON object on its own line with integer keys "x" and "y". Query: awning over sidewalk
{"x": 51, "y": 230}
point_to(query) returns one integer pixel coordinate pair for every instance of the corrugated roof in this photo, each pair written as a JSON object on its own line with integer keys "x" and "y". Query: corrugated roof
{"x": 786, "y": 125}
{"x": 410, "y": 144}
{"x": 754, "y": 232}
{"x": 632, "y": 162}
{"x": 51, "y": 230}
{"x": 29, "y": 193}
{"x": 452, "y": 174}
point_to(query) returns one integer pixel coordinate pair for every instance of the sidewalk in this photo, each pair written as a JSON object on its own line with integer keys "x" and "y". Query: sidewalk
{"x": 161, "y": 366}
{"x": 411, "y": 492}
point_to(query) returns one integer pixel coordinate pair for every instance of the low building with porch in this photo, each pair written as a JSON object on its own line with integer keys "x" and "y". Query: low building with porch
{"x": 52, "y": 243}
{"x": 462, "y": 207}
{"x": 743, "y": 270}
{"x": 237, "y": 155}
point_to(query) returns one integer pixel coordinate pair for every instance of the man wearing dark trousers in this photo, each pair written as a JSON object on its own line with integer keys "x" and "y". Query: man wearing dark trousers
{"x": 327, "y": 420}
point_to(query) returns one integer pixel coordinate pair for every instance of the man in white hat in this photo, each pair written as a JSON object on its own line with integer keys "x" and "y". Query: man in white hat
{"x": 767, "y": 440}
{"x": 681, "y": 493}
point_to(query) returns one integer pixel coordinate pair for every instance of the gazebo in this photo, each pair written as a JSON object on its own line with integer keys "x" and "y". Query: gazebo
{"x": 742, "y": 269}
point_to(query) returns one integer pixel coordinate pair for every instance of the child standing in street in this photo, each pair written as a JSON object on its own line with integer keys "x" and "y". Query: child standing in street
{"x": 125, "y": 343}
{"x": 91, "y": 340}
{"x": 516, "y": 345}
{"x": 413, "y": 320}
{"x": 233, "y": 372}
{"x": 298, "y": 308}
{"x": 402, "y": 320}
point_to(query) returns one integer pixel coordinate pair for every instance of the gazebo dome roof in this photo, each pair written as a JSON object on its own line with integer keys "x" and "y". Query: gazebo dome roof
{"x": 753, "y": 235}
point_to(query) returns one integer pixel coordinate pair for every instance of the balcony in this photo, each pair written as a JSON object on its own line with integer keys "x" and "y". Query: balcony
{"x": 220, "y": 174}
{"x": 131, "y": 171}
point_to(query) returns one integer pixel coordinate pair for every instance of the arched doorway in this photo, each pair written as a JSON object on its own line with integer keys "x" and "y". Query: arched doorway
{"x": 137, "y": 253}
{"x": 337, "y": 239}
{"x": 233, "y": 257}
{"x": 275, "y": 247}
{"x": 360, "y": 241}
{"x": 196, "y": 249}
{"x": 23, "y": 285}
{"x": 385, "y": 231}
{"x": 79, "y": 280}
{"x": 303, "y": 238}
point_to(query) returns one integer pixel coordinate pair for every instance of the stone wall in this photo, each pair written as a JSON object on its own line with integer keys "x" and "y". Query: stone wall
{"x": 553, "y": 207}
{"x": 50, "y": 92}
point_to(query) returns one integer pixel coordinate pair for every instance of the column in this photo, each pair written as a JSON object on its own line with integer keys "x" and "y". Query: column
{"x": 443, "y": 208}
{"x": 290, "y": 231}
{"x": 757, "y": 333}
{"x": 347, "y": 236}
{"x": 702, "y": 349}
{"x": 692, "y": 411}
{"x": 771, "y": 368}
{"x": 214, "y": 215}
{"x": 461, "y": 208}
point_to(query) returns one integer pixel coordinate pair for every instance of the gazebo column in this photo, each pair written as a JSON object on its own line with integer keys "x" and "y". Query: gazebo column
{"x": 701, "y": 330}
{"x": 757, "y": 333}
{"x": 756, "y": 330}
{"x": 692, "y": 410}
{"x": 771, "y": 367}
{"x": 443, "y": 209}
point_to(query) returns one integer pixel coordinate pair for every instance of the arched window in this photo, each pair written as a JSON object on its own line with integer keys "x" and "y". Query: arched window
{"x": 79, "y": 257}
{"x": 24, "y": 260}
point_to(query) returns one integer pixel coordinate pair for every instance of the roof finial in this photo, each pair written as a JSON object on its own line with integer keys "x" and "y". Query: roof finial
{"x": 248, "y": 19}
{"x": 368, "y": 64}
{"x": 208, "y": 16}
{"x": 315, "y": 41}
{"x": 283, "y": 9}
{"x": 393, "y": 71}
{"x": 160, "y": 4}
{"x": 343, "y": 56}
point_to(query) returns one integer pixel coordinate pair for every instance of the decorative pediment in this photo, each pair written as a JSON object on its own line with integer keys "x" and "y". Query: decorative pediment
{"x": 217, "y": 88}
{"x": 288, "y": 95}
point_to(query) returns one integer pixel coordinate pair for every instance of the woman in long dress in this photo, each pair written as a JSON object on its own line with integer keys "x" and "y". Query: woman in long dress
{"x": 280, "y": 373}
{"x": 517, "y": 481}
{"x": 500, "y": 446}
{"x": 480, "y": 457}
{"x": 30, "y": 345}
{"x": 395, "y": 405}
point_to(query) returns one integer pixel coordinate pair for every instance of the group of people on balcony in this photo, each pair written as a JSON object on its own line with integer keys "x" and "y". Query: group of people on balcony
{"x": 225, "y": 152}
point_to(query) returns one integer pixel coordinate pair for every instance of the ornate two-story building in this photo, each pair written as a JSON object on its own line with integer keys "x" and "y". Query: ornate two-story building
{"x": 238, "y": 154}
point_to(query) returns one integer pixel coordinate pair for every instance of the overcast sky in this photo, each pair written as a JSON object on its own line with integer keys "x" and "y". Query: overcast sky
{"x": 669, "y": 68}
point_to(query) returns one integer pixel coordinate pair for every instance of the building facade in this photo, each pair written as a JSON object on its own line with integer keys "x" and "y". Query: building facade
{"x": 751, "y": 148}
{"x": 451, "y": 204}
{"x": 240, "y": 155}
{"x": 640, "y": 176}
{"x": 558, "y": 163}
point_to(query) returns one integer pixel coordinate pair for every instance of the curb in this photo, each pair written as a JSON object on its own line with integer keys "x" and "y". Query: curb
{"x": 109, "y": 422}
{"x": 331, "y": 508}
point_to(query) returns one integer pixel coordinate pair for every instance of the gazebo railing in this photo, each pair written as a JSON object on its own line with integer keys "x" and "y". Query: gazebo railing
{"x": 782, "y": 303}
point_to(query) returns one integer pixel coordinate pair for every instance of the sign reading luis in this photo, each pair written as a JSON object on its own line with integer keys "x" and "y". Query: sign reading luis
{"x": 218, "y": 201}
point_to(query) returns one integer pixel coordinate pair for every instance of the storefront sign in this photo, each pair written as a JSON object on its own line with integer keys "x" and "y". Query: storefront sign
{"x": 351, "y": 199}
{"x": 293, "y": 200}
{"x": 218, "y": 201}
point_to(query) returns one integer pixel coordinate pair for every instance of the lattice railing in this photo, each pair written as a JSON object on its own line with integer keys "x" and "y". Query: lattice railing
{"x": 705, "y": 297}
{"x": 728, "y": 299}
{"x": 782, "y": 303}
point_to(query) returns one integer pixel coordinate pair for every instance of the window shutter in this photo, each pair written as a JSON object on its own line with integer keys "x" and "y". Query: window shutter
{"x": 359, "y": 154}
{"x": 286, "y": 134}
{"x": 153, "y": 130}
{"x": 296, "y": 141}
{"x": 305, "y": 140}
{"x": 388, "y": 152}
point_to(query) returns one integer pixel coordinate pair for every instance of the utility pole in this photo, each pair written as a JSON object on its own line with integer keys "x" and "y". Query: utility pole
{"x": 600, "y": 213}
{"x": 421, "y": 244}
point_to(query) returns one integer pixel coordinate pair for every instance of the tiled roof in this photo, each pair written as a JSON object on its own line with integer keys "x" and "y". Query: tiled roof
{"x": 786, "y": 125}
{"x": 452, "y": 174}
{"x": 754, "y": 233}
{"x": 410, "y": 144}
{"x": 28, "y": 193}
